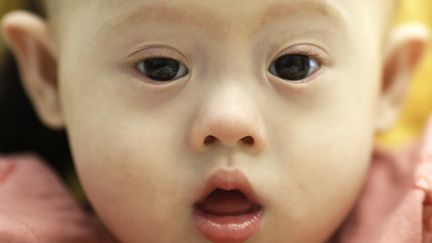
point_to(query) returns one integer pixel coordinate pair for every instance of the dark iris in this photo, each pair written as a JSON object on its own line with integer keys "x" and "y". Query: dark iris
{"x": 162, "y": 69}
{"x": 294, "y": 67}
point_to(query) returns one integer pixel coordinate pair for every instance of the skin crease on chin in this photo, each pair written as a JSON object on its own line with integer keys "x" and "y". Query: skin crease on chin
{"x": 138, "y": 146}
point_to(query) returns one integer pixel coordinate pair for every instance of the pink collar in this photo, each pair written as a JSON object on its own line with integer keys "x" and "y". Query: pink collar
{"x": 396, "y": 203}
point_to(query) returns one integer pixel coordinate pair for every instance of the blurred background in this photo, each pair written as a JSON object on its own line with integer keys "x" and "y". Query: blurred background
{"x": 20, "y": 130}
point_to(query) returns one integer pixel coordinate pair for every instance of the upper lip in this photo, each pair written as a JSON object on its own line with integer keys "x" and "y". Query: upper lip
{"x": 227, "y": 180}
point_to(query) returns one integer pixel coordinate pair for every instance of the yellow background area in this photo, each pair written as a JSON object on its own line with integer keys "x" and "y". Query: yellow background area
{"x": 419, "y": 102}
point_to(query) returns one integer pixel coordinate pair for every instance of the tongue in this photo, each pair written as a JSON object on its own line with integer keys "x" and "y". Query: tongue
{"x": 221, "y": 202}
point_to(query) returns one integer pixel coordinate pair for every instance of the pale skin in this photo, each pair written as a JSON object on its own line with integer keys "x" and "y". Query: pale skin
{"x": 142, "y": 147}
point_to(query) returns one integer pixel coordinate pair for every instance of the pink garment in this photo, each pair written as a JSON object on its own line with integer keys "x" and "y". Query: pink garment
{"x": 396, "y": 203}
{"x": 394, "y": 207}
{"x": 36, "y": 208}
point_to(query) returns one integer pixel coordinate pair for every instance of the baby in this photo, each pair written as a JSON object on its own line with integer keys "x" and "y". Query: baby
{"x": 221, "y": 121}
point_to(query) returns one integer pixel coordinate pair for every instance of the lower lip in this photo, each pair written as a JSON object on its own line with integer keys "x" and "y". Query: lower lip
{"x": 228, "y": 229}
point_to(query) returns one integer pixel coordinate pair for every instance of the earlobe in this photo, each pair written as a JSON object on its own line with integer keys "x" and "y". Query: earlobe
{"x": 406, "y": 46}
{"x": 28, "y": 37}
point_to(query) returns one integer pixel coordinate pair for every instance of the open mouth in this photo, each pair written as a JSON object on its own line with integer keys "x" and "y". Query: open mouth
{"x": 228, "y": 211}
{"x": 227, "y": 203}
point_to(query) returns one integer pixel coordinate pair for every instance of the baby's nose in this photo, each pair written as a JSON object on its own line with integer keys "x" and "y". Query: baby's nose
{"x": 226, "y": 131}
{"x": 229, "y": 135}
{"x": 232, "y": 123}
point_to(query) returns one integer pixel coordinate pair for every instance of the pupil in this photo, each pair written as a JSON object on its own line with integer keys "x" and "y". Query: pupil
{"x": 161, "y": 69}
{"x": 293, "y": 67}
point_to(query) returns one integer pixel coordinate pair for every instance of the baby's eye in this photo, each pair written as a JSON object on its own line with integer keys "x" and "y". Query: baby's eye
{"x": 162, "y": 69}
{"x": 294, "y": 67}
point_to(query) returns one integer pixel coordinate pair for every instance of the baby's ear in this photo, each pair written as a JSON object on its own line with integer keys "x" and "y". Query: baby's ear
{"x": 29, "y": 39}
{"x": 404, "y": 50}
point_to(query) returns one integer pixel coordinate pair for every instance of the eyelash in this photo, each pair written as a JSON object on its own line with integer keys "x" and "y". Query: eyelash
{"x": 305, "y": 50}
{"x": 302, "y": 50}
{"x": 151, "y": 54}
{"x": 314, "y": 53}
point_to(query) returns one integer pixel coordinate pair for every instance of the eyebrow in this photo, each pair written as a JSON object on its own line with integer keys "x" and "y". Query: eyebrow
{"x": 332, "y": 12}
{"x": 208, "y": 21}
{"x": 161, "y": 13}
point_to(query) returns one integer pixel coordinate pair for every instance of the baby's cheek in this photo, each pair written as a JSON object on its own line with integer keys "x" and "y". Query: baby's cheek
{"x": 129, "y": 184}
{"x": 117, "y": 174}
{"x": 323, "y": 172}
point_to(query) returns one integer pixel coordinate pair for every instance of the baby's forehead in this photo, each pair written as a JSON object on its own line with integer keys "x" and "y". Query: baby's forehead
{"x": 212, "y": 9}
{"x": 211, "y": 16}
{"x": 214, "y": 14}
{"x": 220, "y": 17}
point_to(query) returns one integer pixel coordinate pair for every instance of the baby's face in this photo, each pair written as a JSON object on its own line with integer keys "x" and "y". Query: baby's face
{"x": 193, "y": 120}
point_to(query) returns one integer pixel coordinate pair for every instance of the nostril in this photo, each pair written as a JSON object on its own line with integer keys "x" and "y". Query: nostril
{"x": 209, "y": 139}
{"x": 248, "y": 140}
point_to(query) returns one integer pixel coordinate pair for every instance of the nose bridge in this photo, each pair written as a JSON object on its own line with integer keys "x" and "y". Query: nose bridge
{"x": 229, "y": 116}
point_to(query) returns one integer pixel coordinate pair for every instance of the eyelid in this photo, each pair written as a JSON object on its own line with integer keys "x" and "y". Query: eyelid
{"x": 311, "y": 50}
{"x": 154, "y": 51}
{"x": 157, "y": 51}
